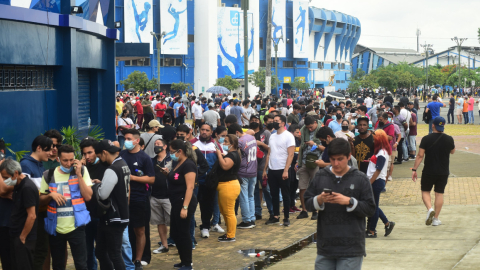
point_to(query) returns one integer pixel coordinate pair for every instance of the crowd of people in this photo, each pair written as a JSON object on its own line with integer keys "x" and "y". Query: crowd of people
{"x": 250, "y": 154}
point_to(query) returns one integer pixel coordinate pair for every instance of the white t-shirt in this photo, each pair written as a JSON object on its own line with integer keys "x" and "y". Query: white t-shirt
{"x": 368, "y": 102}
{"x": 407, "y": 115}
{"x": 279, "y": 144}
{"x": 373, "y": 163}
{"x": 123, "y": 122}
{"x": 248, "y": 112}
{"x": 227, "y": 110}
{"x": 197, "y": 111}
{"x": 478, "y": 104}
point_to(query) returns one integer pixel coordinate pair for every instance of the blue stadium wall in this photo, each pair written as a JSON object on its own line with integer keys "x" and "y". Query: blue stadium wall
{"x": 56, "y": 69}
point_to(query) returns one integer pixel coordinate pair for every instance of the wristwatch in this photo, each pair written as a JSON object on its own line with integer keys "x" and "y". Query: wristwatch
{"x": 352, "y": 201}
{"x": 185, "y": 207}
{"x": 414, "y": 170}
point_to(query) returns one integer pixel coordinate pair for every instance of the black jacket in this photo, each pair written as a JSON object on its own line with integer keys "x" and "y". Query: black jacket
{"x": 341, "y": 233}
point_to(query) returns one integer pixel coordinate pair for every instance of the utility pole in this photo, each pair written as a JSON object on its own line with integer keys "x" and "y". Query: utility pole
{"x": 426, "y": 48}
{"x": 418, "y": 40}
{"x": 268, "y": 66}
{"x": 245, "y": 6}
{"x": 158, "y": 37}
{"x": 459, "y": 42}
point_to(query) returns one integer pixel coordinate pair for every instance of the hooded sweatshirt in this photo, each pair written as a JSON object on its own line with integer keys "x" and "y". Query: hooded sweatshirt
{"x": 33, "y": 168}
{"x": 341, "y": 229}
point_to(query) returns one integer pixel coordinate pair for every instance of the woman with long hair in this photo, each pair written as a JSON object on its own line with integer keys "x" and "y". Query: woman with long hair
{"x": 377, "y": 173}
{"x": 229, "y": 185}
{"x": 181, "y": 182}
{"x": 219, "y": 134}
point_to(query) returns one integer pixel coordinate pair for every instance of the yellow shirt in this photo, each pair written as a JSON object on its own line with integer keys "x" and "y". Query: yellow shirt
{"x": 65, "y": 217}
{"x": 119, "y": 106}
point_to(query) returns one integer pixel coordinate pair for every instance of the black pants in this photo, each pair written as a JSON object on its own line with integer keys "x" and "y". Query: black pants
{"x": 146, "y": 256}
{"x": 276, "y": 183}
{"x": 109, "y": 247}
{"x": 206, "y": 199}
{"x": 5, "y": 251}
{"x": 180, "y": 229}
{"x": 400, "y": 150}
{"x": 22, "y": 254}
{"x": 41, "y": 247}
{"x": 292, "y": 174}
{"x": 450, "y": 112}
{"x": 91, "y": 235}
{"x": 78, "y": 246}
{"x": 147, "y": 117}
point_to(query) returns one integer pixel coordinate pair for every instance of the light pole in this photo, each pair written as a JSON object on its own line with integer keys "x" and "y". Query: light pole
{"x": 158, "y": 37}
{"x": 426, "y": 48}
{"x": 459, "y": 42}
{"x": 276, "y": 59}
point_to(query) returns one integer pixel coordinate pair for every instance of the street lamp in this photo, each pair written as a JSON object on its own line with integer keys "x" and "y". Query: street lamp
{"x": 427, "y": 48}
{"x": 158, "y": 37}
{"x": 459, "y": 42}
{"x": 275, "y": 42}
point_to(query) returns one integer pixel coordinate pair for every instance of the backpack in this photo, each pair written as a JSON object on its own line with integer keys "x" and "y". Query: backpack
{"x": 427, "y": 116}
{"x": 181, "y": 111}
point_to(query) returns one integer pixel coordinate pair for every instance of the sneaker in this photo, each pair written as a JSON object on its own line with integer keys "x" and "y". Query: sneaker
{"x": 389, "y": 228}
{"x": 272, "y": 220}
{"x": 257, "y": 217}
{"x": 302, "y": 214}
{"x": 169, "y": 242}
{"x": 178, "y": 265}
{"x": 291, "y": 210}
{"x": 368, "y": 234}
{"x": 296, "y": 209}
{"x": 397, "y": 163}
{"x": 144, "y": 263}
{"x": 193, "y": 245}
{"x": 217, "y": 228}
{"x": 244, "y": 225}
{"x": 224, "y": 238}
{"x": 390, "y": 178}
{"x": 264, "y": 204}
{"x": 314, "y": 216}
{"x": 186, "y": 268}
{"x": 436, "y": 222}
{"x": 253, "y": 224}
{"x": 286, "y": 222}
{"x": 384, "y": 190}
{"x": 406, "y": 160}
{"x": 159, "y": 250}
{"x": 430, "y": 215}
{"x": 138, "y": 265}
{"x": 204, "y": 233}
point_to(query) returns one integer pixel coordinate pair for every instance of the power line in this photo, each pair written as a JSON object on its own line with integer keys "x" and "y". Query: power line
{"x": 406, "y": 37}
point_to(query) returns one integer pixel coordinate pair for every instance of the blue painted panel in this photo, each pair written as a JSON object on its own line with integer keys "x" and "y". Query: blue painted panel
{"x": 91, "y": 51}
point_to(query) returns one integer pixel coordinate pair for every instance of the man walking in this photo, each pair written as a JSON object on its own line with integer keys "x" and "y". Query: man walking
{"x": 344, "y": 197}
{"x": 459, "y": 112}
{"x": 436, "y": 148}
{"x": 434, "y": 108}
{"x": 471, "y": 102}
{"x": 451, "y": 108}
{"x": 279, "y": 159}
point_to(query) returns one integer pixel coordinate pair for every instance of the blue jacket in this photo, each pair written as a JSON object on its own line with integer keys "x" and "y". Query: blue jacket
{"x": 208, "y": 150}
{"x": 33, "y": 168}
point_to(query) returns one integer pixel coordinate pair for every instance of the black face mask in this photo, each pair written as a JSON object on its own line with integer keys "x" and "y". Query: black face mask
{"x": 381, "y": 124}
{"x": 324, "y": 143}
{"x": 270, "y": 126}
{"x": 339, "y": 116}
{"x": 254, "y": 125}
{"x": 182, "y": 138}
{"x": 158, "y": 149}
{"x": 344, "y": 128}
{"x": 276, "y": 126}
{"x": 104, "y": 163}
{"x": 205, "y": 139}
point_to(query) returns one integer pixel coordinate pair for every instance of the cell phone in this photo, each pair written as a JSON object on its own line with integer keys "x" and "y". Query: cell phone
{"x": 327, "y": 190}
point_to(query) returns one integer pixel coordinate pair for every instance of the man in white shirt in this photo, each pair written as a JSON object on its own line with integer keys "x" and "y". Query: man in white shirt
{"x": 279, "y": 158}
{"x": 227, "y": 109}
{"x": 247, "y": 111}
{"x": 197, "y": 112}
{"x": 368, "y": 102}
{"x": 211, "y": 117}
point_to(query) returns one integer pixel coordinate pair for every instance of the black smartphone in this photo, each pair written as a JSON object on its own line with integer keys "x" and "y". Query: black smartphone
{"x": 327, "y": 190}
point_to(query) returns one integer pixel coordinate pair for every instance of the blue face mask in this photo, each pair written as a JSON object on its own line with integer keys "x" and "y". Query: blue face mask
{"x": 226, "y": 147}
{"x": 334, "y": 117}
{"x": 389, "y": 119}
{"x": 129, "y": 145}
{"x": 96, "y": 160}
{"x": 65, "y": 170}
{"x": 173, "y": 157}
{"x": 221, "y": 140}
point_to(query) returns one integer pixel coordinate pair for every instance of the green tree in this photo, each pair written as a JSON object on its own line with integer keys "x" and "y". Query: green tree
{"x": 359, "y": 74}
{"x": 181, "y": 86}
{"x": 228, "y": 83}
{"x": 299, "y": 84}
{"x": 369, "y": 81}
{"x": 387, "y": 77}
{"x": 258, "y": 79}
{"x": 152, "y": 84}
{"x": 138, "y": 81}
{"x": 435, "y": 76}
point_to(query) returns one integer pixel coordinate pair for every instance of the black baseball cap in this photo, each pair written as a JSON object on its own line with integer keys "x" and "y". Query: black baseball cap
{"x": 106, "y": 145}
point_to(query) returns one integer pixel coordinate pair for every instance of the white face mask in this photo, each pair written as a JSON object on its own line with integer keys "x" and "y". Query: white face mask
{"x": 10, "y": 182}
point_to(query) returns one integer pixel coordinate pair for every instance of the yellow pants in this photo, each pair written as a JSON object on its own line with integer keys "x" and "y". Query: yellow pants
{"x": 227, "y": 194}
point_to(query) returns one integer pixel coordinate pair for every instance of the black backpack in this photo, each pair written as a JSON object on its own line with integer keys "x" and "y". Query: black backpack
{"x": 427, "y": 116}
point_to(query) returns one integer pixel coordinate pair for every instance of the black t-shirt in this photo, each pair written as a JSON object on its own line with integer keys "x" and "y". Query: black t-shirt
{"x": 452, "y": 103}
{"x": 137, "y": 162}
{"x": 363, "y": 151}
{"x": 232, "y": 174}
{"x": 25, "y": 195}
{"x": 389, "y": 99}
{"x": 160, "y": 187}
{"x": 168, "y": 133}
{"x": 177, "y": 186}
{"x": 404, "y": 100}
{"x": 360, "y": 101}
{"x": 96, "y": 171}
{"x": 437, "y": 153}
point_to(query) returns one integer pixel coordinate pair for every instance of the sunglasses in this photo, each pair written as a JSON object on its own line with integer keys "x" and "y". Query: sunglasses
{"x": 56, "y": 145}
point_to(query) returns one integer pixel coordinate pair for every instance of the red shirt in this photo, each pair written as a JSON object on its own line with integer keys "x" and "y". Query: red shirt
{"x": 289, "y": 102}
{"x": 139, "y": 107}
{"x": 160, "y": 106}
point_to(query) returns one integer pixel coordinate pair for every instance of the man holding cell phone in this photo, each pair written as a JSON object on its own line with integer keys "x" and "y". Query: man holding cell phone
{"x": 343, "y": 198}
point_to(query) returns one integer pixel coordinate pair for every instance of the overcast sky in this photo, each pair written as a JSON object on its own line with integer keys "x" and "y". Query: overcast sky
{"x": 393, "y": 24}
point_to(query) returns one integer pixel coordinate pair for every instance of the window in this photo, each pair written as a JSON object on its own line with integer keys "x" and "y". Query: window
{"x": 261, "y": 43}
{"x": 171, "y": 62}
{"x": 138, "y": 62}
{"x": 320, "y": 65}
{"x": 301, "y": 63}
{"x": 178, "y": 62}
{"x": 273, "y": 63}
{"x": 337, "y": 81}
{"x": 287, "y": 63}
{"x": 333, "y": 65}
{"x": 26, "y": 77}
{"x": 263, "y": 63}
{"x": 191, "y": 38}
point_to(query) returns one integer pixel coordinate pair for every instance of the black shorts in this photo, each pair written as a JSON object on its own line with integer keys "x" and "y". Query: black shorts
{"x": 137, "y": 214}
{"x": 198, "y": 123}
{"x": 428, "y": 181}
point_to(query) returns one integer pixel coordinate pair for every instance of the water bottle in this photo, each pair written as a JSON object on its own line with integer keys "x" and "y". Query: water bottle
{"x": 138, "y": 172}
{"x": 89, "y": 122}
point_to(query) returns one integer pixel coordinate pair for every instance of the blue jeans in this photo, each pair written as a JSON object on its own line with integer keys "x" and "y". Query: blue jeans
{"x": 377, "y": 188}
{"x": 266, "y": 196}
{"x": 121, "y": 141}
{"x": 216, "y": 211}
{"x": 405, "y": 148}
{"x": 179, "y": 120}
{"x": 160, "y": 119}
{"x": 127, "y": 251}
{"x": 333, "y": 263}
{"x": 430, "y": 126}
{"x": 246, "y": 200}
{"x": 470, "y": 117}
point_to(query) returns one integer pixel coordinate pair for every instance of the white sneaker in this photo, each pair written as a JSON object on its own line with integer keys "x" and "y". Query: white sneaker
{"x": 217, "y": 228}
{"x": 390, "y": 178}
{"x": 204, "y": 233}
{"x": 430, "y": 215}
{"x": 436, "y": 222}
{"x": 159, "y": 250}
{"x": 144, "y": 263}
